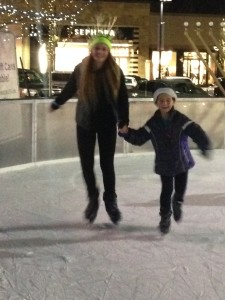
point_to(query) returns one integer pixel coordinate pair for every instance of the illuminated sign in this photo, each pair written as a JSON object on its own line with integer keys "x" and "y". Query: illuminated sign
{"x": 89, "y": 31}
{"x": 9, "y": 87}
{"x": 119, "y": 33}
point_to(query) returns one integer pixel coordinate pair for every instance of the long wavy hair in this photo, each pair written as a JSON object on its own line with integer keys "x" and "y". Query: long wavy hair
{"x": 112, "y": 76}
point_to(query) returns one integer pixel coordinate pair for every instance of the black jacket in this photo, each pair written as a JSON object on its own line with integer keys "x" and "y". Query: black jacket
{"x": 108, "y": 111}
{"x": 170, "y": 141}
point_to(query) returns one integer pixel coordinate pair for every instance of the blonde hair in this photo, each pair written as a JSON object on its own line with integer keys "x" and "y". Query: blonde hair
{"x": 112, "y": 74}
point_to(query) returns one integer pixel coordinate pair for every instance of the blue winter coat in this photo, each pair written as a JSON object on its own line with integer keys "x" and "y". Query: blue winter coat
{"x": 170, "y": 141}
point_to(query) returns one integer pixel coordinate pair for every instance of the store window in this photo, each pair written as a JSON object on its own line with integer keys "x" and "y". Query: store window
{"x": 193, "y": 67}
{"x": 68, "y": 55}
{"x": 121, "y": 55}
{"x": 168, "y": 64}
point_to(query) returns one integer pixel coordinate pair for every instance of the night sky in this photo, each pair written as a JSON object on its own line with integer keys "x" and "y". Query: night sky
{"x": 191, "y": 6}
{"x": 183, "y": 6}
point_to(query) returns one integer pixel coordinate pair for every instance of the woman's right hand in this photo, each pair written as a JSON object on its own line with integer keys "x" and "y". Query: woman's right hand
{"x": 123, "y": 130}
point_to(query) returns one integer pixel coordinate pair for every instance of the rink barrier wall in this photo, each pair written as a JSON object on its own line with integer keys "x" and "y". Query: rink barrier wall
{"x": 30, "y": 133}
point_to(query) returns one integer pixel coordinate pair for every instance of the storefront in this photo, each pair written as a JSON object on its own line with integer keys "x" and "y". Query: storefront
{"x": 134, "y": 43}
{"x": 183, "y": 63}
{"x": 168, "y": 64}
{"x": 73, "y": 47}
{"x": 69, "y": 54}
{"x": 194, "y": 68}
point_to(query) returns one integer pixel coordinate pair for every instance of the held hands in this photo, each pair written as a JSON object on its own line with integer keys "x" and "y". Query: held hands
{"x": 123, "y": 130}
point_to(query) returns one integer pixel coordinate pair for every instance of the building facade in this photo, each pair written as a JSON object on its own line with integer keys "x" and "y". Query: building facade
{"x": 135, "y": 41}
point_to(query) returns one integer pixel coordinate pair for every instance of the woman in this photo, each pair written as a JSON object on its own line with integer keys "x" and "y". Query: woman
{"x": 102, "y": 106}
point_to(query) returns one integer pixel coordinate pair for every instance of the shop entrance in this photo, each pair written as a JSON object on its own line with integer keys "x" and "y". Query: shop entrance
{"x": 194, "y": 68}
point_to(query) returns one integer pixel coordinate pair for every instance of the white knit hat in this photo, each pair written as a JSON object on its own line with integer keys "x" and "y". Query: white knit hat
{"x": 164, "y": 90}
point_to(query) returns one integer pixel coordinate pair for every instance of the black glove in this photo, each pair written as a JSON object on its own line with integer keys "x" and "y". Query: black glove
{"x": 55, "y": 105}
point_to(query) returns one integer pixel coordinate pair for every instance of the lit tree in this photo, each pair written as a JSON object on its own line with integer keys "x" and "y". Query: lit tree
{"x": 33, "y": 15}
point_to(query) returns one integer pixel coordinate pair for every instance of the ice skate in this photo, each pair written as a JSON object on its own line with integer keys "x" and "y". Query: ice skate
{"x": 165, "y": 222}
{"x": 177, "y": 210}
{"x": 91, "y": 210}
{"x": 112, "y": 208}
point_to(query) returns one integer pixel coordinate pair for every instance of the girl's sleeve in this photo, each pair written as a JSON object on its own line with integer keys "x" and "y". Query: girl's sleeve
{"x": 68, "y": 91}
{"x": 198, "y": 135}
{"x": 137, "y": 137}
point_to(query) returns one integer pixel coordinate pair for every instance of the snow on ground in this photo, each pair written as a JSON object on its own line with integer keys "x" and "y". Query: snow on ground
{"x": 48, "y": 252}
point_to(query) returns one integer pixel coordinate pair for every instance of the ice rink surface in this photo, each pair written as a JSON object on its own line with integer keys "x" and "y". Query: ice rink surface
{"x": 48, "y": 251}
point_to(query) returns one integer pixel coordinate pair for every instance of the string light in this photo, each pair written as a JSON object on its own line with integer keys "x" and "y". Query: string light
{"x": 51, "y": 14}
{"x": 64, "y": 11}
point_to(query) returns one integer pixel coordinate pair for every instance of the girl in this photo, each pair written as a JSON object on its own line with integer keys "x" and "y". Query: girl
{"x": 102, "y": 106}
{"x": 168, "y": 130}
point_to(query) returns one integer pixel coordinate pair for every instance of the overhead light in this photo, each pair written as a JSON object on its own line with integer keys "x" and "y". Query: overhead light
{"x": 211, "y": 24}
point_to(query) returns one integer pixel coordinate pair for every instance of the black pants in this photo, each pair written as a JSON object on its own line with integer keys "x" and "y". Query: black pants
{"x": 86, "y": 145}
{"x": 177, "y": 183}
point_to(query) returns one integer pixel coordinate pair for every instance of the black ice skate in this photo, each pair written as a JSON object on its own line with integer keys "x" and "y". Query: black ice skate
{"x": 164, "y": 224}
{"x": 91, "y": 210}
{"x": 112, "y": 208}
{"x": 177, "y": 210}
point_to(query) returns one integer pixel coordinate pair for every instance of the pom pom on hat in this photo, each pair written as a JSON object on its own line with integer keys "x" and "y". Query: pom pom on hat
{"x": 164, "y": 90}
{"x": 100, "y": 39}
